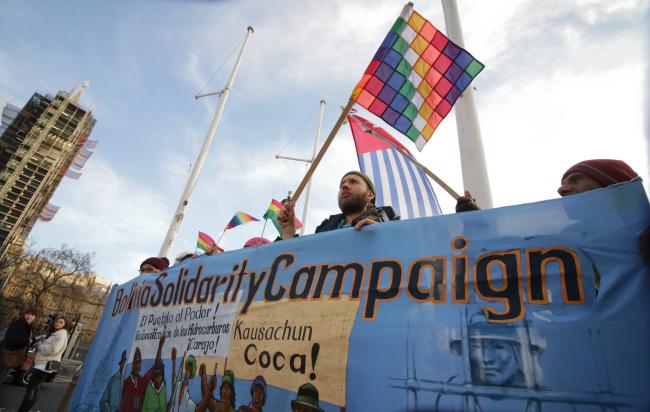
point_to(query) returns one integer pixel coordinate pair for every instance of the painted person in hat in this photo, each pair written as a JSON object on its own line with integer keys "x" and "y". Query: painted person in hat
{"x": 306, "y": 400}
{"x": 185, "y": 401}
{"x": 504, "y": 355}
{"x": 110, "y": 400}
{"x": 135, "y": 385}
{"x": 226, "y": 392}
{"x": 155, "y": 398}
{"x": 258, "y": 396}
{"x": 154, "y": 264}
{"x": 498, "y": 351}
{"x": 357, "y": 203}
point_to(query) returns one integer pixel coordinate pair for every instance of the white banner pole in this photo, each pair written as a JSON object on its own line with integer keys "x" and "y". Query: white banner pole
{"x": 472, "y": 156}
{"x": 198, "y": 164}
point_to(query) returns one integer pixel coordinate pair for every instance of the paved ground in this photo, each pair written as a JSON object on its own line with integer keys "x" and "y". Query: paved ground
{"x": 49, "y": 397}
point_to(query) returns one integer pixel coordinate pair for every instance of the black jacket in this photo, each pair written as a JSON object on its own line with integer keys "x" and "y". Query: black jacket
{"x": 18, "y": 335}
{"x": 380, "y": 214}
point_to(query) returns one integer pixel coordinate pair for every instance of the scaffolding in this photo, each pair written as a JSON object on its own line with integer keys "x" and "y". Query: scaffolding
{"x": 41, "y": 140}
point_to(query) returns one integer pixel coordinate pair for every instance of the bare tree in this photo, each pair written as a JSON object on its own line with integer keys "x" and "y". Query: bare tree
{"x": 47, "y": 280}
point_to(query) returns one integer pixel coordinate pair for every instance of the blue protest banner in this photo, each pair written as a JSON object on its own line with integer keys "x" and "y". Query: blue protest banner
{"x": 537, "y": 307}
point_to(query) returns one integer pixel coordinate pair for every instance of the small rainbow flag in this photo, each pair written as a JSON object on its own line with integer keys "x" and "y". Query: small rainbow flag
{"x": 204, "y": 241}
{"x": 272, "y": 213}
{"x": 239, "y": 219}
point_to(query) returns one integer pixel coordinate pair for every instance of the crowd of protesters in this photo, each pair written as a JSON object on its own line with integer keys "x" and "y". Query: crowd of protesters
{"x": 356, "y": 200}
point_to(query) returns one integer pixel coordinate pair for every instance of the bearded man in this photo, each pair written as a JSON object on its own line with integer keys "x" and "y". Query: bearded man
{"x": 356, "y": 201}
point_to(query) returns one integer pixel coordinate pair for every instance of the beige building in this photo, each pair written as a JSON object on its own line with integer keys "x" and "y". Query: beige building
{"x": 38, "y": 143}
{"x": 78, "y": 297}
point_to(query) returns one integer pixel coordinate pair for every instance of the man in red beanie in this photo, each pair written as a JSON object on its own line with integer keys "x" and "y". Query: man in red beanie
{"x": 598, "y": 173}
{"x": 583, "y": 177}
{"x": 154, "y": 264}
{"x": 594, "y": 174}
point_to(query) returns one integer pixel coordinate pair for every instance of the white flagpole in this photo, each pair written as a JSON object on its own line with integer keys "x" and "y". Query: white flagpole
{"x": 308, "y": 194}
{"x": 472, "y": 157}
{"x": 198, "y": 164}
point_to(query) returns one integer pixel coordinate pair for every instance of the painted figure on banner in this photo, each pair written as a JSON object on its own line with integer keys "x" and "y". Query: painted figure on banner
{"x": 227, "y": 393}
{"x": 497, "y": 352}
{"x": 306, "y": 399}
{"x": 226, "y": 403}
{"x": 258, "y": 396}
{"x": 501, "y": 355}
{"x": 499, "y": 366}
{"x": 185, "y": 401}
{"x": 110, "y": 401}
{"x": 135, "y": 386}
{"x": 155, "y": 398}
{"x": 491, "y": 360}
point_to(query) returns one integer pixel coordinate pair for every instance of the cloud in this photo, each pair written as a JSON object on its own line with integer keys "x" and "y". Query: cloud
{"x": 117, "y": 217}
{"x": 309, "y": 46}
{"x": 560, "y": 37}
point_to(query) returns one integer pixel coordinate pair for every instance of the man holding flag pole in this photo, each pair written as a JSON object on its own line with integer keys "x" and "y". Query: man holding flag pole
{"x": 411, "y": 83}
{"x": 356, "y": 200}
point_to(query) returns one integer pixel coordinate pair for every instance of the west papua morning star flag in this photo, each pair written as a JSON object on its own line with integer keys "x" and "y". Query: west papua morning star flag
{"x": 398, "y": 181}
{"x": 415, "y": 77}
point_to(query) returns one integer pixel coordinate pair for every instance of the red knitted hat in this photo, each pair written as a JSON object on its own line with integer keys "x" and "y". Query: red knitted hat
{"x": 606, "y": 172}
{"x": 160, "y": 263}
{"x": 256, "y": 241}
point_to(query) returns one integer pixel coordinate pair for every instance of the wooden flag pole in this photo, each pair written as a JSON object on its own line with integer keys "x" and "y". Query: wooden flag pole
{"x": 323, "y": 149}
{"x": 438, "y": 180}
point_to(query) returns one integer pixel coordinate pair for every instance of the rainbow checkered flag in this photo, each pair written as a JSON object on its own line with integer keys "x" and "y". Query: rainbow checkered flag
{"x": 239, "y": 219}
{"x": 415, "y": 77}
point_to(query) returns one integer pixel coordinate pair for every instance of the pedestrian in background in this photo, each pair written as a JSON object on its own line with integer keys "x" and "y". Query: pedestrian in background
{"x": 16, "y": 341}
{"x": 47, "y": 361}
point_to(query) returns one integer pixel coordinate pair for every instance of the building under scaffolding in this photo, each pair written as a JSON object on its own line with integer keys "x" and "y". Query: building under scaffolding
{"x": 37, "y": 145}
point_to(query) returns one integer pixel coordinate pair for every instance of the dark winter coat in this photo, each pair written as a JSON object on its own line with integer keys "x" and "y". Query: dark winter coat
{"x": 18, "y": 335}
{"x": 380, "y": 214}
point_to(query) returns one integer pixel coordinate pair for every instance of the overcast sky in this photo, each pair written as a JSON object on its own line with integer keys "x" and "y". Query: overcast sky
{"x": 564, "y": 81}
